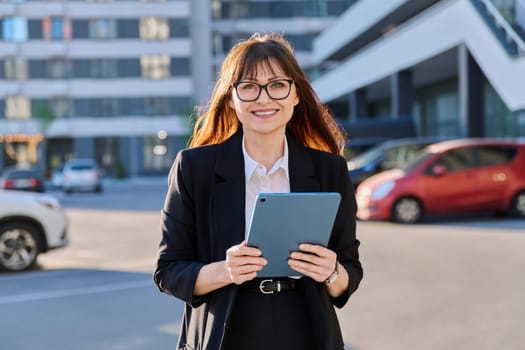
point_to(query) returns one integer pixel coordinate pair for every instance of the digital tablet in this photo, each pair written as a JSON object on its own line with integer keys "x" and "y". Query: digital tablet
{"x": 281, "y": 221}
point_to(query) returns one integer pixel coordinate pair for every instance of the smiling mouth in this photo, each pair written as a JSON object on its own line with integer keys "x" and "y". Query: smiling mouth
{"x": 265, "y": 113}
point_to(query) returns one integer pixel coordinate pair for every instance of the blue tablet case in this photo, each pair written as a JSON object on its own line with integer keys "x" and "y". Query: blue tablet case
{"x": 281, "y": 221}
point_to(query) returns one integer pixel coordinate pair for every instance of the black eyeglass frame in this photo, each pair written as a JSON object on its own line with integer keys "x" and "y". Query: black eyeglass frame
{"x": 265, "y": 87}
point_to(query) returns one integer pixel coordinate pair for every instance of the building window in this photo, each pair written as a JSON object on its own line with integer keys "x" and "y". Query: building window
{"x": 156, "y": 106}
{"x": 237, "y": 9}
{"x": 104, "y": 107}
{"x": 103, "y": 68}
{"x": 107, "y": 153}
{"x": 216, "y": 9}
{"x": 14, "y": 29}
{"x": 18, "y": 107}
{"x": 56, "y": 28}
{"x": 281, "y": 9}
{"x": 58, "y": 68}
{"x": 155, "y": 67}
{"x": 156, "y": 152}
{"x": 62, "y": 107}
{"x": 128, "y": 28}
{"x": 499, "y": 120}
{"x": 179, "y": 28}
{"x": 102, "y": 28}
{"x": 154, "y": 28}
{"x": 301, "y": 42}
{"x": 15, "y": 68}
{"x": 180, "y": 67}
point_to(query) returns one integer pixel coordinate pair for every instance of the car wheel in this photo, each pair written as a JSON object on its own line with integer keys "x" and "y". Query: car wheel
{"x": 518, "y": 204}
{"x": 19, "y": 246}
{"x": 407, "y": 210}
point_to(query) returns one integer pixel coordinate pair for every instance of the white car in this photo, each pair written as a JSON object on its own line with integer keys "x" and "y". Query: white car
{"x": 81, "y": 175}
{"x": 30, "y": 223}
{"x": 57, "y": 177}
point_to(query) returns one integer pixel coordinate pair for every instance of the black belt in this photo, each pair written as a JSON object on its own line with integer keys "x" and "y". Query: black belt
{"x": 269, "y": 285}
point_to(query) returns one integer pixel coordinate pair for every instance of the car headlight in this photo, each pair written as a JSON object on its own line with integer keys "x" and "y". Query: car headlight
{"x": 382, "y": 190}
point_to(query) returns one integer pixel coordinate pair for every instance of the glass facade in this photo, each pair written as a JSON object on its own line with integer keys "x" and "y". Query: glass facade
{"x": 150, "y": 67}
{"x": 103, "y": 28}
{"x": 17, "y": 107}
{"x": 437, "y": 109}
{"x": 56, "y": 28}
{"x": 62, "y": 56}
{"x": 499, "y": 120}
{"x": 156, "y": 152}
{"x": 154, "y": 28}
{"x": 14, "y": 29}
{"x": 275, "y": 12}
{"x": 235, "y": 9}
{"x": 155, "y": 67}
{"x": 15, "y": 68}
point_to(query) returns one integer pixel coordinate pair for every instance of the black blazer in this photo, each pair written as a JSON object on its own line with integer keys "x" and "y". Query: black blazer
{"x": 203, "y": 216}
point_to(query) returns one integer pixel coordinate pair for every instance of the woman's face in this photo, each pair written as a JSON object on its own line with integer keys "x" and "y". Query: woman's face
{"x": 264, "y": 116}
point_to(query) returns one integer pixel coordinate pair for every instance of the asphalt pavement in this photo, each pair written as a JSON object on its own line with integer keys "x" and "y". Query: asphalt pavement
{"x": 446, "y": 283}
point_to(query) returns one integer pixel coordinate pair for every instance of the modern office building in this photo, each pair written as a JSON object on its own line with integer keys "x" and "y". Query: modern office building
{"x": 116, "y": 80}
{"x": 300, "y": 21}
{"x": 448, "y": 68}
{"x": 111, "y": 80}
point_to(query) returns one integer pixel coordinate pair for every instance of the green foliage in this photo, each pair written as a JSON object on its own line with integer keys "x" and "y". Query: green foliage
{"x": 44, "y": 114}
{"x": 120, "y": 171}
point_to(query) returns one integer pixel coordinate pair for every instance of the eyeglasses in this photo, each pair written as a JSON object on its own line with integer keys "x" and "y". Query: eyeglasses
{"x": 248, "y": 91}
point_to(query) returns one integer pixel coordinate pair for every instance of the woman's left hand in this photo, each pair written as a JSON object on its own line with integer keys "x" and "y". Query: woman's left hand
{"x": 314, "y": 261}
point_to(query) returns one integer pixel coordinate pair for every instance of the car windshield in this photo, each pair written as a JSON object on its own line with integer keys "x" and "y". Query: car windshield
{"x": 82, "y": 167}
{"x": 423, "y": 156}
{"x": 367, "y": 156}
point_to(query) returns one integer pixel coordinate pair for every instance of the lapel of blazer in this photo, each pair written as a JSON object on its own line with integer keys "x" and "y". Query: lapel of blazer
{"x": 229, "y": 187}
{"x": 301, "y": 168}
{"x": 228, "y": 197}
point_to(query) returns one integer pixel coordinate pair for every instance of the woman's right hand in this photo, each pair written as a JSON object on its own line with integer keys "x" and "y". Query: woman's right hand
{"x": 243, "y": 262}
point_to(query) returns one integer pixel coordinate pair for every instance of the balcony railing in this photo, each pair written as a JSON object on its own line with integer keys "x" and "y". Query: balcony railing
{"x": 509, "y": 38}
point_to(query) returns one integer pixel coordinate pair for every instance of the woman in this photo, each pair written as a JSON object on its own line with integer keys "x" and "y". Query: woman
{"x": 265, "y": 130}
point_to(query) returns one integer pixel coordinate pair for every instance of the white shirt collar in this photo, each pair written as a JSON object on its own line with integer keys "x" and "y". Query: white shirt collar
{"x": 250, "y": 164}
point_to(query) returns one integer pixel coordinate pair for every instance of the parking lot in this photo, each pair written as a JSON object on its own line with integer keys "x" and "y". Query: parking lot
{"x": 447, "y": 283}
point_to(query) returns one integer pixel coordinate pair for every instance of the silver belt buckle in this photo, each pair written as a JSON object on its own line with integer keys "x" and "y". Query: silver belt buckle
{"x": 261, "y": 286}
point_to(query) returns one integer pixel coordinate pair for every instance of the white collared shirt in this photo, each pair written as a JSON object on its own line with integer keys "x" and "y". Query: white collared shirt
{"x": 259, "y": 179}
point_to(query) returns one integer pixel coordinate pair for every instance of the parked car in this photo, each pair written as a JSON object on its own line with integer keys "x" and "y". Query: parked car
{"x": 81, "y": 175}
{"x": 457, "y": 176}
{"x": 386, "y": 155}
{"x": 22, "y": 179}
{"x": 30, "y": 224}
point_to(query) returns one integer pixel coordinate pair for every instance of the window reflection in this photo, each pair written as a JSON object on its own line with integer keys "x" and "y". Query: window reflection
{"x": 59, "y": 68}
{"x": 18, "y": 107}
{"x": 56, "y": 28}
{"x": 155, "y": 67}
{"x": 156, "y": 151}
{"x": 154, "y": 28}
{"x": 15, "y": 68}
{"x": 102, "y": 28}
{"x": 14, "y": 29}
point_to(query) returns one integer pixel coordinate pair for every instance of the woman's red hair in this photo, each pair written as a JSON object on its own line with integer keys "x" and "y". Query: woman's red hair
{"x": 311, "y": 124}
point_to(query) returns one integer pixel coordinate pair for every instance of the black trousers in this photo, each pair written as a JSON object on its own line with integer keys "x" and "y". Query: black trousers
{"x": 270, "y": 321}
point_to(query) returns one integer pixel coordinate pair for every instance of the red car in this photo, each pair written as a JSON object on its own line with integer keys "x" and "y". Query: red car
{"x": 457, "y": 176}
